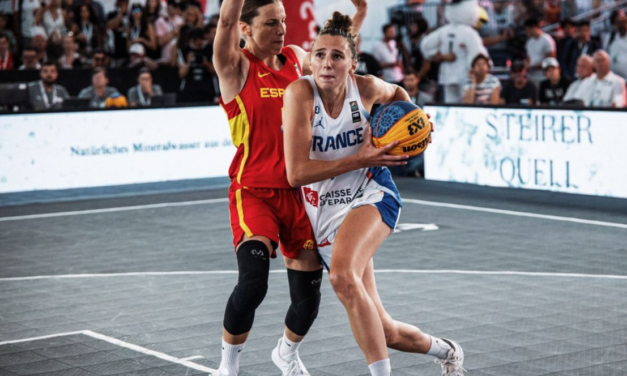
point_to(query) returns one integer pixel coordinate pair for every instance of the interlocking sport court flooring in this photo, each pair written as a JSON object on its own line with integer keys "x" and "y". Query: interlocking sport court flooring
{"x": 529, "y": 283}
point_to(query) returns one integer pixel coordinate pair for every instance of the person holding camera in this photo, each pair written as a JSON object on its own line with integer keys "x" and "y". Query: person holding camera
{"x": 196, "y": 69}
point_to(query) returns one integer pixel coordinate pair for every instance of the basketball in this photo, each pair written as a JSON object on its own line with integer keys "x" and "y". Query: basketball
{"x": 404, "y": 122}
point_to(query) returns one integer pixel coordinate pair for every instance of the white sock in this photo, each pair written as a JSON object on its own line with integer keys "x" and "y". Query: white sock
{"x": 288, "y": 349}
{"x": 230, "y": 358}
{"x": 381, "y": 368}
{"x": 439, "y": 348}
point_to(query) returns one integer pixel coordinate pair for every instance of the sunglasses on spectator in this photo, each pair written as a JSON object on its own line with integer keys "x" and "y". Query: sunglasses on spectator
{"x": 137, "y": 10}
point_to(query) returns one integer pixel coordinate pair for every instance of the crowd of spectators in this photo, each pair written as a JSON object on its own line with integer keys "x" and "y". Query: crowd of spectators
{"x": 535, "y": 67}
{"x": 521, "y": 64}
{"x": 78, "y": 34}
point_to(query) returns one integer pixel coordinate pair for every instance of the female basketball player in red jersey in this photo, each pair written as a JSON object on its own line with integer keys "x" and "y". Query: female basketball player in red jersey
{"x": 264, "y": 208}
{"x": 329, "y": 152}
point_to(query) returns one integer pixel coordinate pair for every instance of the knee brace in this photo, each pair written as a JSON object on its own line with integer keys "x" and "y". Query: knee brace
{"x": 253, "y": 260}
{"x": 305, "y": 296}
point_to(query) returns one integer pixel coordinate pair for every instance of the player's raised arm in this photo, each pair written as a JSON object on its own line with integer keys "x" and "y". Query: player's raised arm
{"x": 228, "y": 57}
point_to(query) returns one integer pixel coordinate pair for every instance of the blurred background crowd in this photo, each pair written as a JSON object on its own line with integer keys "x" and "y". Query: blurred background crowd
{"x": 75, "y": 54}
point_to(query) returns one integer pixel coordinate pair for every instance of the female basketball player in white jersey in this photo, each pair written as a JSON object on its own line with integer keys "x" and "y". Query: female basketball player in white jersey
{"x": 350, "y": 198}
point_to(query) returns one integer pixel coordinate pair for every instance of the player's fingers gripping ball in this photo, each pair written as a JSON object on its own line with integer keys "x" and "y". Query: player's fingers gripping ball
{"x": 404, "y": 122}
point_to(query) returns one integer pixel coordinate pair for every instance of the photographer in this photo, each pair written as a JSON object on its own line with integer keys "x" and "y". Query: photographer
{"x": 196, "y": 69}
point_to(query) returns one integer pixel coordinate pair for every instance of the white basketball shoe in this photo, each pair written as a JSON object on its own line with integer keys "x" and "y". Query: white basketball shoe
{"x": 452, "y": 365}
{"x": 294, "y": 367}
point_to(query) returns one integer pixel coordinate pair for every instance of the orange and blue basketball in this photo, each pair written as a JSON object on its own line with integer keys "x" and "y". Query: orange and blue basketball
{"x": 404, "y": 122}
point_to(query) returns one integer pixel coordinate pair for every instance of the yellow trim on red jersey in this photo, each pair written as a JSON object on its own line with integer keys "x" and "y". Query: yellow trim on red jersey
{"x": 240, "y": 132}
{"x": 240, "y": 213}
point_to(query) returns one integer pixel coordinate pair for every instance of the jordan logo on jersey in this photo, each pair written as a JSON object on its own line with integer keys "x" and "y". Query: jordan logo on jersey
{"x": 319, "y": 124}
{"x": 311, "y": 196}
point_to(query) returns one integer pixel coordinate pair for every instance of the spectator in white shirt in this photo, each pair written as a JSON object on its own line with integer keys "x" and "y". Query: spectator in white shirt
{"x": 386, "y": 53}
{"x": 539, "y": 46}
{"x": 603, "y": 89}
{"x": 618, "y": 47}
{"x": 585, "y": 68}
{"x": 53, "y": 21}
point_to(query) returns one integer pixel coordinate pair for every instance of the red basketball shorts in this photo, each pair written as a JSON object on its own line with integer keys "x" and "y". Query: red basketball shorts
{"x": 277, "y": 214}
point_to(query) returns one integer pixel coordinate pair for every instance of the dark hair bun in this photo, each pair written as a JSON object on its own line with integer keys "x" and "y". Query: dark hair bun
{"x": 339, "y": 21}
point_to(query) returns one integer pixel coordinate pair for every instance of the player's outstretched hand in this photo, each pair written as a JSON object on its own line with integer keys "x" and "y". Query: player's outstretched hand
{"x": 371, "y": 156}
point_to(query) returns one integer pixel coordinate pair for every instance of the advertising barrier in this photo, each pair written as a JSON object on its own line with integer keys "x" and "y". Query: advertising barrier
{"x": 96, "y": 148}
{"x": 569, "y": 151}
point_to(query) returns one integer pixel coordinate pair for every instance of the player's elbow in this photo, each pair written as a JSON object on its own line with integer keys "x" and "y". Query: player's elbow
{"x": 295, "y": 179}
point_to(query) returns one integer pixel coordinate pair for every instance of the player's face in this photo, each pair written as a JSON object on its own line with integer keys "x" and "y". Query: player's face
{"x": 267, "y": 30}
{"x": 331, "y": 61}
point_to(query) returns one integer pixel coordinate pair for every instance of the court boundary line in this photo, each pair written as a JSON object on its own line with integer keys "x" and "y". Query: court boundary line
{"x": 180, "y": 361}
{"x": 282, "y": 271}
{"x": 406, "y": 200}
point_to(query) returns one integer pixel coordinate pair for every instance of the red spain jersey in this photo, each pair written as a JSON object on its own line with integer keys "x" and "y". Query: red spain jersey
{"x": 255, "y": 119}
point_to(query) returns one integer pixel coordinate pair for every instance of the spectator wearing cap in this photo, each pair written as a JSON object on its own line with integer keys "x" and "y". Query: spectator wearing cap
{"x": 553, "y": 89}
{"x": 30, "y": 59}
{"x": 539, "y": 46}
{"x": 141, "y": 94}
{"x": 138, "y": 58}
{"x": 617, "y": 49}
{"x": 7, "y": 62}
{"x": 70, "y": 58}
{"x": 98, "y": 92}
{"x": 603, "y": 89}
{"x": 519, "y": 90}
{"x": 196, "y": 70}
{"x": 585, "y": 68}
{"x": 46, "y": 94}
{"x": 167, "y": 29}
{"x": 480, "y": 87}
{"x": 581, "y": 45}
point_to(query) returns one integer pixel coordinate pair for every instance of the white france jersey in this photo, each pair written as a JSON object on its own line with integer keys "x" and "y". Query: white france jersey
{"x": 329, "y": 201}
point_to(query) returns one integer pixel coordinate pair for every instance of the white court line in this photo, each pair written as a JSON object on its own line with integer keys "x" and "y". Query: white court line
{"x": 184, "y": 362}
{"x": 516, "y": 213}
{"x": 279, "y": 271}
{"x": 132, "y": 274}
{"x": 193, "y": 357}
{"x": 146, "y": 351}
{"x": 42, "y": 337}
{"x": 407, "y": 200}
{"x": 113, "y": 210}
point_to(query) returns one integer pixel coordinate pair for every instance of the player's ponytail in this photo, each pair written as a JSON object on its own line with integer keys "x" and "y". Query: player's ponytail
{"x": 340, "y": 25}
